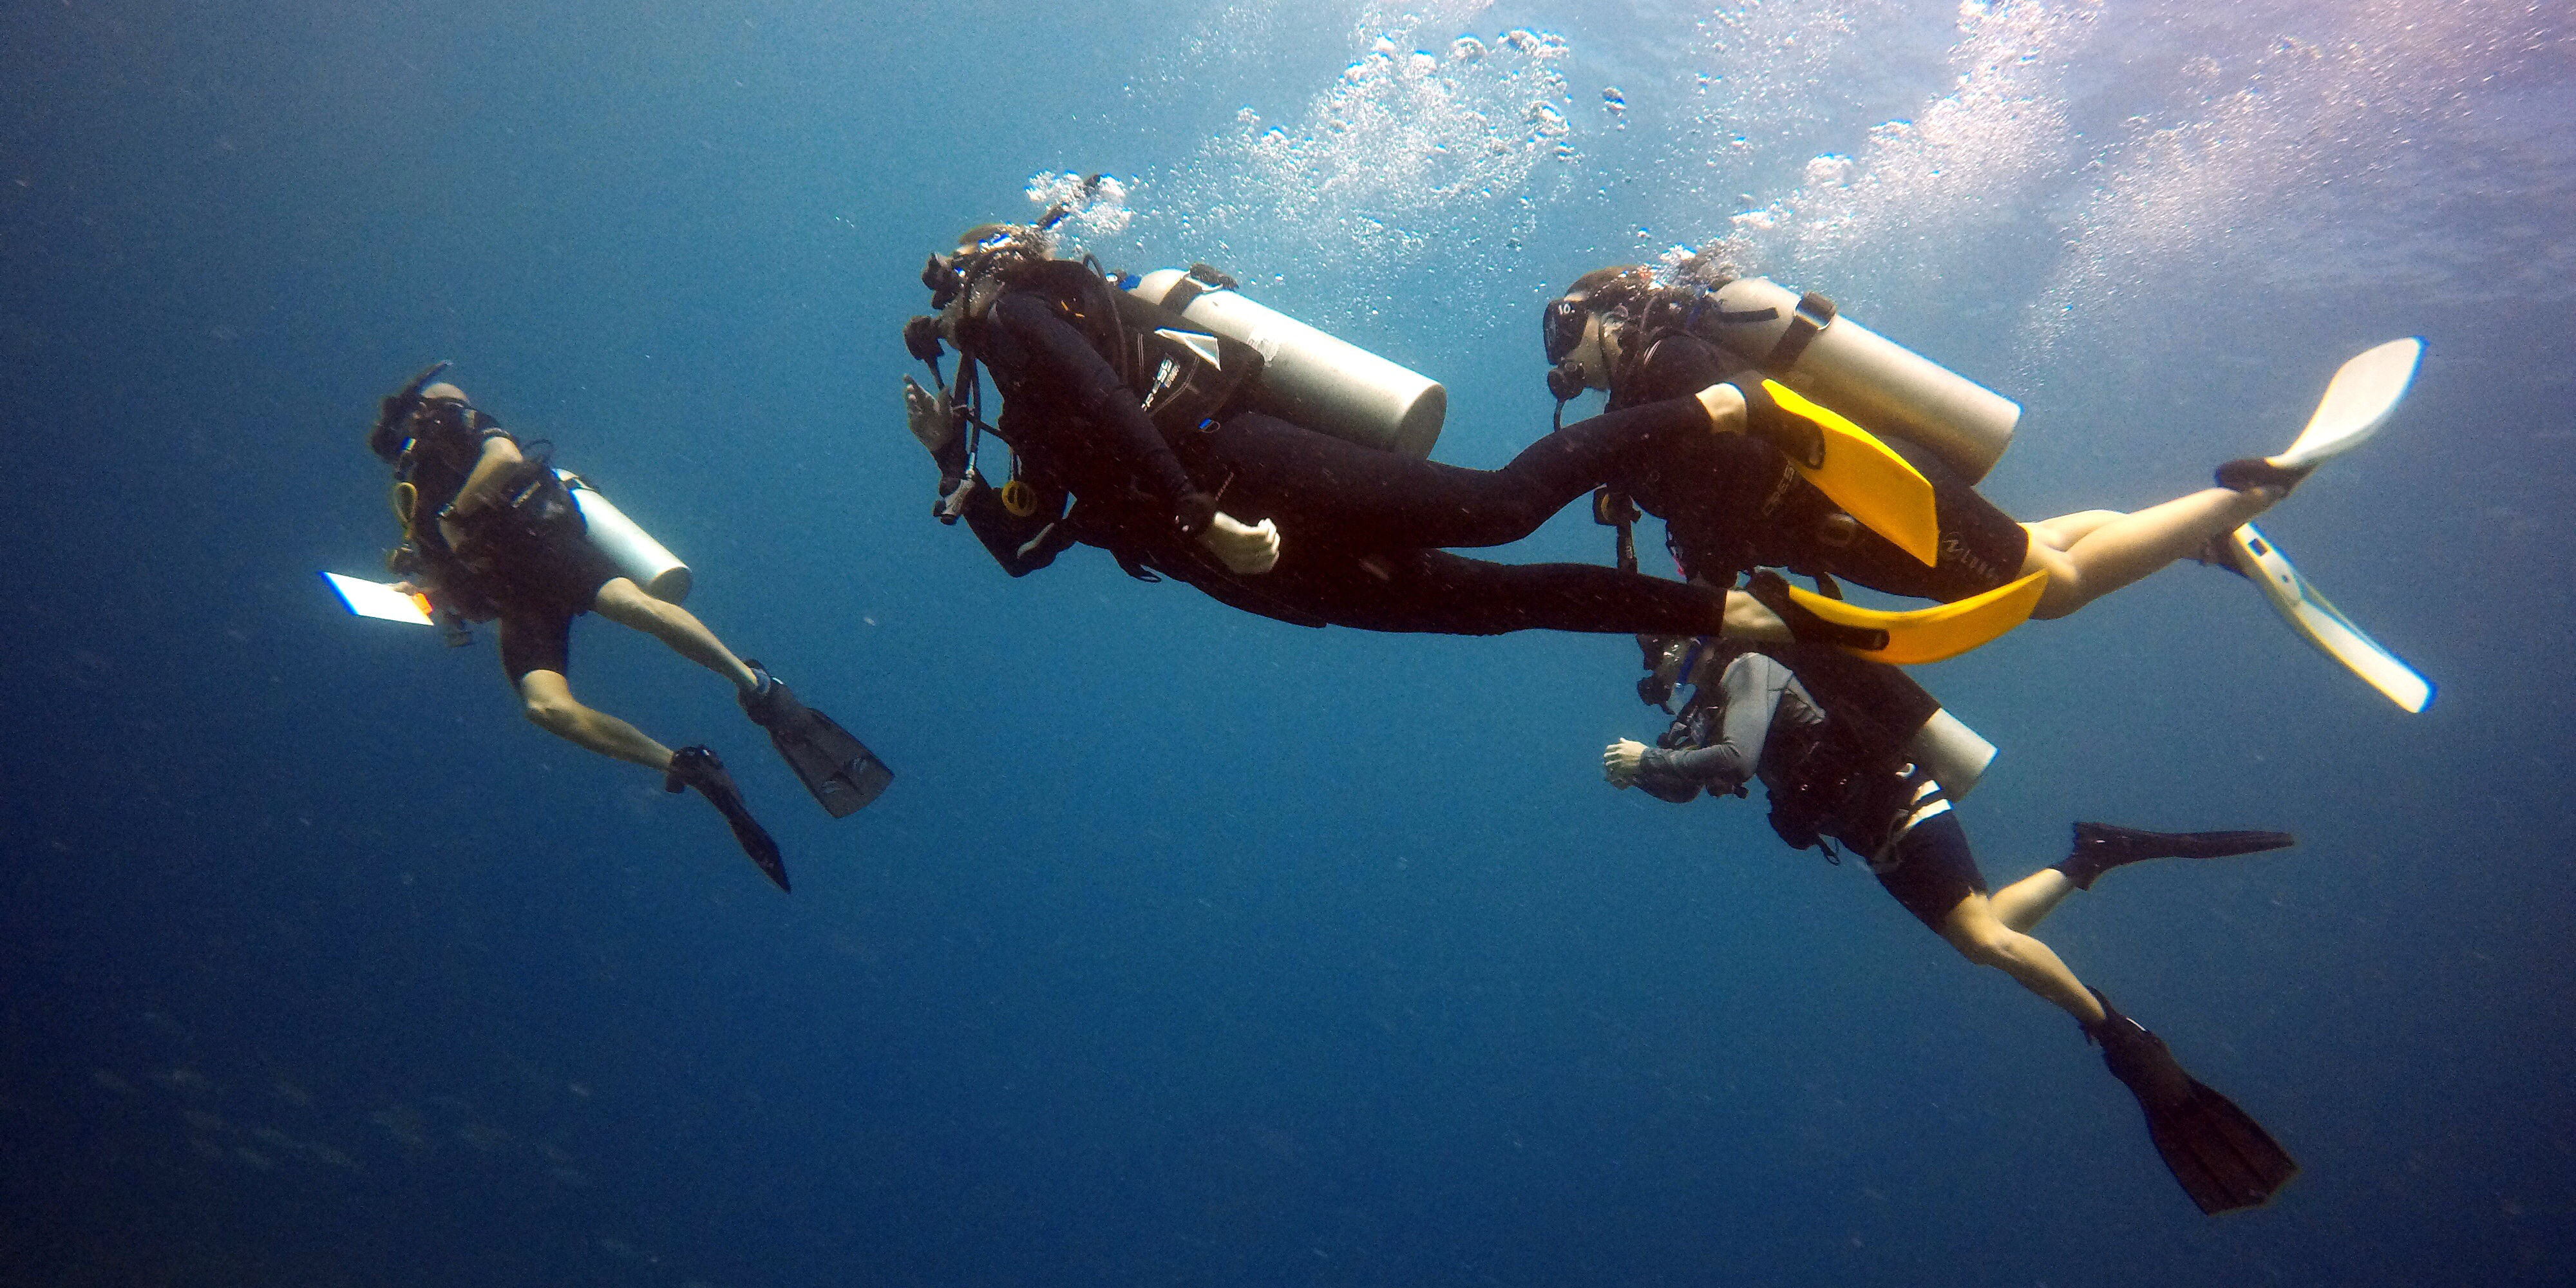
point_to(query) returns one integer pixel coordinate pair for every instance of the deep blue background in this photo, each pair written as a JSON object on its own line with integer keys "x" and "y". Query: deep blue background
{"x": 1191, "y": 947}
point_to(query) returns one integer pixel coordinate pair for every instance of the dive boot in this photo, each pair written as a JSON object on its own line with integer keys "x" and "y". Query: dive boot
{"x": 837, "y": 768}
{"x": 2221, "y": 1157}
{"x": 2100, "y": 847}
{"x": 698, "y": 767}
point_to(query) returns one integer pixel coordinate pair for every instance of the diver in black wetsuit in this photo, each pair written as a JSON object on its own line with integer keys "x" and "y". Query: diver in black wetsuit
{"x": 1124, "y": 437}
{"x": 1734, "y": 503}
{"x": 1822, "y": 741}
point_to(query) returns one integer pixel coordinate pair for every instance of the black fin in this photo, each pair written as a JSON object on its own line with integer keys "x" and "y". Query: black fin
{"x": 2220, "y": 1156}
{"x": 840, "y": 771}
{"x": 2100, "y": 847}
{"x": 699, "y": 767}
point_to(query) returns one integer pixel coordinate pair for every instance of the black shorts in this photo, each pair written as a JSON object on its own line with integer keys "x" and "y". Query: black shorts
{"x": 1934, "y": 869}
{"x": 1981, "y": 546}
{"x": 540, "y": 589}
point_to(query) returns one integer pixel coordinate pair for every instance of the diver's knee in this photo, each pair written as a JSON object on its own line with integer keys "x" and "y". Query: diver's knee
{"x": 1981, "y": 938}
{"x": 555, "y": 713}
{"x": 1982, "y": 951}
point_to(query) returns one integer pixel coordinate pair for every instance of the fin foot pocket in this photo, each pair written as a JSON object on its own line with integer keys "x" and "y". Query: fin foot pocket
{"x": 699, "y": 767}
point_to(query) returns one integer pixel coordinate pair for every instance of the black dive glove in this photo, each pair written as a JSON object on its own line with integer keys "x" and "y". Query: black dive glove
{"x": 1771, "y": 590}
{"x": 1797, "y": 437}
{"x": 1194, "y": 513}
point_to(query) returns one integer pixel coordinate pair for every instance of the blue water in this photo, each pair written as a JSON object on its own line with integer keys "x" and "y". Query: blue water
{"x": 1191, "y": 947}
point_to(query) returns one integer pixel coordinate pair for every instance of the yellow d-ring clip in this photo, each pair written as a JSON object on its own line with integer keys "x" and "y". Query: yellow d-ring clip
{"x": 1019, "y": 498}
{"x": 405, "y": 498}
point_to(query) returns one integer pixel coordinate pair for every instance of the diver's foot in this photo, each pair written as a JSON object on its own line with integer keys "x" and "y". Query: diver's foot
{"x": 767, "y": 699}
{"x": 2248, "y": 473}
{"x": 699, "y": 767}
{"x": 1771, "y": 591}
{"x": 2100, "y": 847}
{"x": 2218, "y": 552}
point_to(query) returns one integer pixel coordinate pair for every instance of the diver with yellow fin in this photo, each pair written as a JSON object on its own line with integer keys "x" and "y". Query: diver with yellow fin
{"x": 1196, "y": 435}
{"x": 493, "y": 532}
{"x": 1733, "y": 504}
{"x": 1855, "y": 753}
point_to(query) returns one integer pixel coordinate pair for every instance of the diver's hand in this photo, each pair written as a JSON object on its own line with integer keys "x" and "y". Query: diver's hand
{"x": 1724, "y": 404}
{"x": 929, "y": 415}
{"x": 1251, "y": 550}
{"x": 1745, "y": 405}
{"x": 1620, "y": 762}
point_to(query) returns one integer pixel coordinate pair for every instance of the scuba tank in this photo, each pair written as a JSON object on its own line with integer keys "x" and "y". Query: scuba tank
{"x": 1326, "y": 384}
{"x": 644, "y": 561}
{"x": 1951, "y": 752}
{"x": 1801, "y": 342}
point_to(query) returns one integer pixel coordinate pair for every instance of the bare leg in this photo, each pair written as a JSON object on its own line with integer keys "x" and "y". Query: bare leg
{"x": 623, "y": 602}
{"x": 2067, "y": 529}
{"x": 1974, "y": 930}
{"x": 2107, "y": 554}
{"x": 547, "y": 699}
{"x": 2023, "y": 904}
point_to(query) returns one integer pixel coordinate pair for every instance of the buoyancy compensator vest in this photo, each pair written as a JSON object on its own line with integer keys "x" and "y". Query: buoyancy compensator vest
{"x": 1838, "y": 739}
{"x": 1182, "y": 374}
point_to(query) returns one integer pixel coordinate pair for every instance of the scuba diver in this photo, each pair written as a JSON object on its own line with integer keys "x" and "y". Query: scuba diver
{"x": 493, "y": 532}
{"x": 1850, "y": 752}
{"x": 1734, "y": 503}
{"x": 1133, "y": 428}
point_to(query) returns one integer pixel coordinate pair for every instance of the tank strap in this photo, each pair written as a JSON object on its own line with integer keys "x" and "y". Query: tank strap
{"x": 1813, "y": 315}
{"x": 1200, "y": 280}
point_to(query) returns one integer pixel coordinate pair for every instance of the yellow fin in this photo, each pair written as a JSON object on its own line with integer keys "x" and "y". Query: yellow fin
{"x": 1941, "y": 631}
{"x": 1868, "y": 480}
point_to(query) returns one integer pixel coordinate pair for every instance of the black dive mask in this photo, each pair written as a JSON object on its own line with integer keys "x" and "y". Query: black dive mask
{"x": 943, "y": 278}
{"x": 1561, "y": 327}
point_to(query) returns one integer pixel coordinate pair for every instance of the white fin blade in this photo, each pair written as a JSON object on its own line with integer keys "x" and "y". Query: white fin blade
{"x": 378, "y": 600}
{"x": 2322, "y": 625}
{"x": 2357, "y": 402}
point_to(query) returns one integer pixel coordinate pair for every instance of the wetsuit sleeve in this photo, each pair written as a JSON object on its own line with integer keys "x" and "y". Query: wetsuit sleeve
{"x": 1751, "y": 690}
{"x": 1057, "y": 362}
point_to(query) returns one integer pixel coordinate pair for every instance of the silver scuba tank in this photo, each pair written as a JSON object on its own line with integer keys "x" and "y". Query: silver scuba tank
{"x": 1951, "y": 752}
{"x": 644, "y": 561}
{"x": 1326, "y": 384}
{"x": 1804, "y": 344}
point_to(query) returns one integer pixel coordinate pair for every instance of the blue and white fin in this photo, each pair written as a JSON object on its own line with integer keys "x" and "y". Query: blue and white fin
{"x": 2321, "y": 624}
{"x": 2357, "y": 402}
